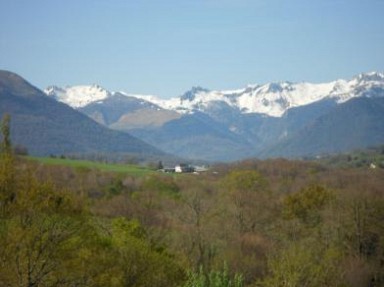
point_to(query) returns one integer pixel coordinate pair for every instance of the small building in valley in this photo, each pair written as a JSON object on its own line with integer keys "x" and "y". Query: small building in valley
{"x": 184, "y": 168}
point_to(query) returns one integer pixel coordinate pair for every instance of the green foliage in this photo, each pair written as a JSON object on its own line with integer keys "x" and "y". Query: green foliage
{"x": 244, "y": 180}
{"x": 141, "y": 264}
{"x": 119, "y": 168}
{"x": 364, "y": 158}
{"x": 38, "y": 247}
{"x": 38, "y": 226}
{"x": 48, "y": 239}
{"x": 162, "y": 184}
{"x": 123, "y": 229}
{"x": 247, "y": 189}
{"x": 305, "y": 263}
{"x": 220, "y": 278}
{"x": 266, "y": 219}
{"x": 362, "y": 230}
{"x": 7, "y": 170}
{"x": 115, "y": 187}
{"x": 6, "y": 146}
{"x": 306, "y": 204}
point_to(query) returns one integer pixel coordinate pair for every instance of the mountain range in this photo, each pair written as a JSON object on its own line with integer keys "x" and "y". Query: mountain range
{"x": 271, "y": 120}
{"x": 47, "y": 127}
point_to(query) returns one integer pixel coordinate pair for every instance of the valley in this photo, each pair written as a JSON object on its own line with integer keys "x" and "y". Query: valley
{"x": 113, "y": 222}
{"x": 196, "y": 143}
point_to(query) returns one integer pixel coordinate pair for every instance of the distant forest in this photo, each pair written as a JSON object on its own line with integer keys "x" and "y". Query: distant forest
{"x": 251, "y": 223}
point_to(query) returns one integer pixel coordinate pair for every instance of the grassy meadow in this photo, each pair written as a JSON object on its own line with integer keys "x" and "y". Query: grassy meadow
{"x": 86, "y": 164}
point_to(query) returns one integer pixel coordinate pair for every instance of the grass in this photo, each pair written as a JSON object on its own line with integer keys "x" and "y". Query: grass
{"x": 86, "y": 164}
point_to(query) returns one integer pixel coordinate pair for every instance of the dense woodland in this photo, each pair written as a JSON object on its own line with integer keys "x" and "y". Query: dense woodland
{"x": 252, "y": 223}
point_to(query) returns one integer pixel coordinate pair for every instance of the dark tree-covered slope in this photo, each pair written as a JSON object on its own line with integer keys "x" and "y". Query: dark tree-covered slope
{"x": 46, "y": 126}
{"x": 357, "y": 123}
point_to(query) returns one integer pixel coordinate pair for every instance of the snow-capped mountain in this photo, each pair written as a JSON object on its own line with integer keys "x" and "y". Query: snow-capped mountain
{"x": 272, "y": 99}
{"x": 274, "y": 119}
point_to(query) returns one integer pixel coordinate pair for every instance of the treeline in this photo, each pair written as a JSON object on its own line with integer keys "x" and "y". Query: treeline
{"x": 254, "y": 223}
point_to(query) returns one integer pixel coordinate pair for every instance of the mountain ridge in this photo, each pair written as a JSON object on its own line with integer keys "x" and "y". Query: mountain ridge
{"x": 271, "y": 99}
{"x": 256, "y": 121}
{"x": 201, "y": 124}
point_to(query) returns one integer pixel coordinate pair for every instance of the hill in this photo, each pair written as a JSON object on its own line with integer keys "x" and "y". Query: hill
{"x": 46, "y": 126}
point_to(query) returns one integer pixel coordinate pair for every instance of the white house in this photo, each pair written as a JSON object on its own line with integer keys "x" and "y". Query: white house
{"x": 181, "y": 168}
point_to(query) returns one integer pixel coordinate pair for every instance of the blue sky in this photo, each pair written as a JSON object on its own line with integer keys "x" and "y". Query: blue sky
{"x": 164, "y": 47}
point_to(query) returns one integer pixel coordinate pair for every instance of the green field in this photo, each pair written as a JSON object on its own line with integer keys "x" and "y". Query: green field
{"x": 108, "y": 167}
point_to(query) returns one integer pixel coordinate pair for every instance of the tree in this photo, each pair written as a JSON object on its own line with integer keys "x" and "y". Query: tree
{"x": 250, "y": 197}
{"x": 37, "y": 234}
{"x": 7, "y": 170}
{"x": 362, "y": 231}
{"x": 6, "y": 146}
{"x": 220, "y": 278}
{"x": 305, "y": 263}
{"x": 307, "y": 204}
{"x": 139, "y": 263}
{"x": 251, "y": 206}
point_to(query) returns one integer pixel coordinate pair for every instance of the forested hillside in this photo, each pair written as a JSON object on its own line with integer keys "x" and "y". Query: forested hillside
{"x": 253, "y": 223}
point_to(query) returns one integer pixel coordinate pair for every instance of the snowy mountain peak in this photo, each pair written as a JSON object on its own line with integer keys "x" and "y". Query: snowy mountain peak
{"x": 78, "y": 96}
{"x": 370, "y": 77}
